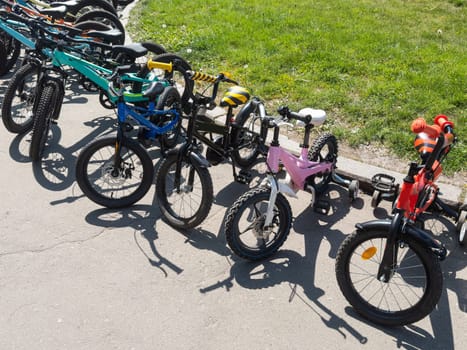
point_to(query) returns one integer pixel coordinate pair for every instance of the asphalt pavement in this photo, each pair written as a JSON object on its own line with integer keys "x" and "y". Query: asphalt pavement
{"x": 74, "y": 275}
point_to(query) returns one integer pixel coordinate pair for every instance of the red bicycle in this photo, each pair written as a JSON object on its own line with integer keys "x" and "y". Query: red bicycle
{"x": 389, "y": 270}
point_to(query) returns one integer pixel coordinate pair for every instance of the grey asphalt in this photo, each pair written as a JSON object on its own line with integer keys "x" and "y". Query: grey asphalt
{"x": 74, "y": 275}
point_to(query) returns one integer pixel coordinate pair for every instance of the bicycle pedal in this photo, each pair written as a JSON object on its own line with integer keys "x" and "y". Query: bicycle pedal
{"x": 322, "y": 207}
{"x": 383, "y": 183}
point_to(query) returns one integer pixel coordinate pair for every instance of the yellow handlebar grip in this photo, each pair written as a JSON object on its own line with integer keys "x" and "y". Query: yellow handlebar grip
{"x": 203, "y": 77}
{"x": 160, "y": 65}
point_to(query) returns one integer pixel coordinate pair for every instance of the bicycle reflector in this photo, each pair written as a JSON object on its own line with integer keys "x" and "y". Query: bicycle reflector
{"x": 235, "y": 96}
{"x": 369, "y": 253}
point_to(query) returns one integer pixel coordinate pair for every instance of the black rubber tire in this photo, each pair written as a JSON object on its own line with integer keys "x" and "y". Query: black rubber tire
{"x": 168, "y": 100}
{"x": 86, "y": 5}
{"x": 325, "y": 141}
{"x": 165, "y": 194}
{"x": 188, "y": 84}
{"x": 12, "y": 49}
{"x": 461, "y": 227}
{"x": 103, "y": 150}
{"x": 18, "y": 124}
{"x": 48, "y": 108}
{"x": 413, "y": 313}
{"x": 282, "y": 221}
{"x": 375, "y": 199}
{"x": 249, "y": 119}
{"x": 104, "y": 17}
{"x": 3, "y": 57}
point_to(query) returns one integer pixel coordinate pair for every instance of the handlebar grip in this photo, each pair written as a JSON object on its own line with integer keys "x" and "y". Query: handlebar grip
{"x": 419, "y": 125}
{"x": 202, "y": 77}
{"x": 443, "y": 122}
{"x": 160, "y": 65}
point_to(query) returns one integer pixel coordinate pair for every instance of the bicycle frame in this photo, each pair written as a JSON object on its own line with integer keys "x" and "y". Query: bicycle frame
{"x": 97, "y": 74}
{"x": 124, "y": 111}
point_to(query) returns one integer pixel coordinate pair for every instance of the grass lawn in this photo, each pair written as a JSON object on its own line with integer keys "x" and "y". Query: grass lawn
{"x": 372, "y": 65}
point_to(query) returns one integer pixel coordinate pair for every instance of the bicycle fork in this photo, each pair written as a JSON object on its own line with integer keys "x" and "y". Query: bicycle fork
{"x": 276, "y": 187}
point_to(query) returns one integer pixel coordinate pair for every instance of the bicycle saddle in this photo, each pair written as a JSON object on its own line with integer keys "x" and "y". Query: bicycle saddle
{"x": 318, "y": 116}
{"x": 69, "y": 4}
{"x": 111, "y": 35}
{"x": 133, "y": 50}
{"x": 55, "y": 12}
{"x": 235, "y": 96}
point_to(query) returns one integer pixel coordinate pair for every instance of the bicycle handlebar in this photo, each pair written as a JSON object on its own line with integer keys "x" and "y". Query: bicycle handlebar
{"x": 419, "y": 125}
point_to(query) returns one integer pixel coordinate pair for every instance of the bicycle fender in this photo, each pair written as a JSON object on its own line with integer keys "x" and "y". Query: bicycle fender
{"x": 427, "y": 240}
{"x": 381, "y": 224}
{"x": 199, "y": 159}
{"x": 414, "y": 232}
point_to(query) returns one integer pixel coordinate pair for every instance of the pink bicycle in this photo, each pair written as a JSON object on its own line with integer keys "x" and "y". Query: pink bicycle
{"x": 259, "y": 222}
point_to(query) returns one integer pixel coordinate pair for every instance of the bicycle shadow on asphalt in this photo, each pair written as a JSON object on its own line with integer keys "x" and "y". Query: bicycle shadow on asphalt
{"x": 56, "y": 170}
{"x": 290, "y": 267}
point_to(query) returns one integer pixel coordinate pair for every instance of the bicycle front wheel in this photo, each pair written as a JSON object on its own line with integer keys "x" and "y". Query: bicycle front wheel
{"x": 186, "y": 205}
{"x": 244, "y": 227}
{"x": 413, "y": 290}
{"x": 114, "y": 183}
{"x": 10, "y": 51}
{"x": 18, "y": 102}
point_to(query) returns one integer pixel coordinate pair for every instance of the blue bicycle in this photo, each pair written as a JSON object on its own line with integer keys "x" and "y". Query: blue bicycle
{"x": 116, "y": 171}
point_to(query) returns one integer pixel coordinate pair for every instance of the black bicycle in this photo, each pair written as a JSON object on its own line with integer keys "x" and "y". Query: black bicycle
{"x": 184, "y": 187}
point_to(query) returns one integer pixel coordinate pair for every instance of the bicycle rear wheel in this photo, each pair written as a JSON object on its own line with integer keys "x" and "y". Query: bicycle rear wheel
{"x": 187, "y": 205}
{"x": 412, "y": 292}
{"x": 114, "y": 184}
{"x": 245, "y": 137}
{"x": 48, "y": 107}
{"x": 169, "y": 99}
{"x": 324, "y": 149}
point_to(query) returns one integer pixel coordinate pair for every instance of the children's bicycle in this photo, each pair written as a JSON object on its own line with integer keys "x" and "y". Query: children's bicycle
{"x": 184, "y": 189}
{"x": 259, "y": 222}
{"x": 429, "y": 200}
{"x": 117, "y": 171}
{"x": 389, "y": 270}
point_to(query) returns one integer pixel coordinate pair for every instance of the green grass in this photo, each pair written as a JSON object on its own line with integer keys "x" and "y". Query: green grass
{"x": 372, "y": 65}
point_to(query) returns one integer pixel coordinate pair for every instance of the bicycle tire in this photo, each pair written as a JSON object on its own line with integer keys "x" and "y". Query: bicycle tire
{"x": 169, "y": 98}
{"x": 47, "y": 105}
{"x": 20, "y": 92}
{"x": 9, "y": 54}
{"x": 86, "y": 5}
{"x": 248, "y": 118}
{"x": 108, "y": 188}
{"x": 362, "y": 248}
{"x": 171, "y": 203}
{"x": 237, "y": 224}
{"x": 323, "y": 142}
{"x": 185, "y": 88}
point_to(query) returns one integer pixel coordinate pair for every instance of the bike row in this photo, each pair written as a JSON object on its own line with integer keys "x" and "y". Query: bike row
{"x": 389, "y": 270}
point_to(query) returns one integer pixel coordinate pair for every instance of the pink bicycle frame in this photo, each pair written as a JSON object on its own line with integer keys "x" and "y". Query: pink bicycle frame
{"x": 298, "y": 168}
